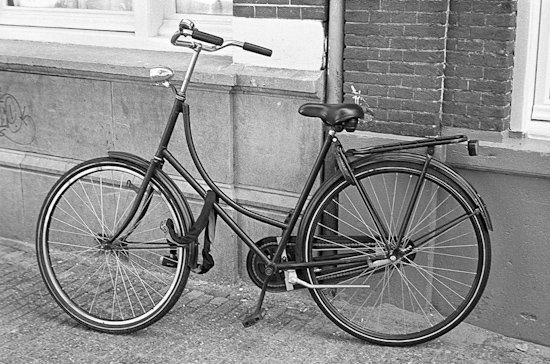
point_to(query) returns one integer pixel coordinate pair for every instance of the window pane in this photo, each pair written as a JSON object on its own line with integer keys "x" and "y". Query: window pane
{"x": 216, "y": 7}
{"x": 116, "y": 5}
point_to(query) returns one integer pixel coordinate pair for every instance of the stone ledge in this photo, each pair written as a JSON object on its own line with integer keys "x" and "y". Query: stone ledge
{"x": 133, "y": 65}
{"x": 257, "y": 198}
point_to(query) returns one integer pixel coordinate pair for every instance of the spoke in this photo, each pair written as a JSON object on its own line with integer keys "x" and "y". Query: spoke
{"x": 72, "y": 216}
{"x": 82, "y": 233}
{"x": 378, "y": 302}
{"x": 145, "y": 285}
{"x": 426, "y": 247}
{"x": 128, "y": 206}
{"x": 430, "y": 271}
{"x": 379, "y": 204}
{"x": 351, "y": 279}
{"x": 423, "y": 216}
{"x": 72, "y": 245}
{"x": 405, "y": 194}
{"x": 88, "y": 204}
{"x": 426, "y": 238}
{"x": 425, "y": 299}
{"x": 358, "y": 217}
{"x": 450, "y": 255}
{"x": 342, "y": 245}
{"x": 101, "y": 204}
{"x": 442, "y": 269}
{"x": 122, "y": 275}
{"x": 104, "y": 265}
{"x": 77, "y": 264}
{"x": 435, "y": 276}
{"x": 161, "y": 268}
{"x": 117, "y": 203}
{"x": 416, "y": 228}
{"x": 82, "y": 285}
{"x": 393, "y": 223}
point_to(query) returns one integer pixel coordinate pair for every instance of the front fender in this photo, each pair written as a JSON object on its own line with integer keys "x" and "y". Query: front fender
{"x": 176, "y": 192}
{"x": 132, "y": 158}
{"x": 129, "y": 157}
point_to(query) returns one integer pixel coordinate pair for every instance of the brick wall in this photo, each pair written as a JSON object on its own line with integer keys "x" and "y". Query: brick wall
{"x": 424, "y": 64}
{"x": 478, "y": 83}
{"x": 281, "y": 9}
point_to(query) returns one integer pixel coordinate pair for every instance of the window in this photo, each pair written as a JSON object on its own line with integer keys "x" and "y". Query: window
{"x": 213, "y": 7}
{"x": 118, "y": 5}
{"x": 531, "y": 88}
{"x": 139, "y": 24}
{"x": 541, "y": 107}
{"x": 70, "y": 14}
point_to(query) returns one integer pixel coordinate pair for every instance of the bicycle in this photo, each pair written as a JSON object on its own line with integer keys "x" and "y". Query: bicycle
{"x": 394, "y": 247}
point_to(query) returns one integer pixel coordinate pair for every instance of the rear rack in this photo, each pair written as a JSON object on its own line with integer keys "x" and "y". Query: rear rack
{"x": 421, "y": 143}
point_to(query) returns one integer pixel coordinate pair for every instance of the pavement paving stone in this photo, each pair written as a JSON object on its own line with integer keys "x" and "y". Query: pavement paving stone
{"x": 205, "y": 327}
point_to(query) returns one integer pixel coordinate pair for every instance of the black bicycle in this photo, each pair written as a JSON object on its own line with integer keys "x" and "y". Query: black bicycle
{"x": 394, "y": 247}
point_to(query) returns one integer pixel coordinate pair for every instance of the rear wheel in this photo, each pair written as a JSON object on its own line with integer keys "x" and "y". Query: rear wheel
{"x": 118, "y": 286}
{"x": 393, "y": 291}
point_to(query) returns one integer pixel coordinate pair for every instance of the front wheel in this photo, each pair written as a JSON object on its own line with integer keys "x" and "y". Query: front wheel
{"x": 387, "y": 290}
{"x": 123, "y": 285}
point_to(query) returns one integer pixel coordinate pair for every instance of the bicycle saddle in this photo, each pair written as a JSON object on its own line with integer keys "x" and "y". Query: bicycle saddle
{"x": 332, "y": 114}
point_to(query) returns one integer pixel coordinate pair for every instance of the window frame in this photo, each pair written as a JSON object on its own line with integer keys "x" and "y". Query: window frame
{"x": 149, "y": 26}
{"x": 530, "y": 114}
{"x": 117, "y": 21}
{"x": 541, "y": 106}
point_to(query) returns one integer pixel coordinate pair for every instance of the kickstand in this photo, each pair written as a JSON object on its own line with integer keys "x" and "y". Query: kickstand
{"x": 258, "y": 312}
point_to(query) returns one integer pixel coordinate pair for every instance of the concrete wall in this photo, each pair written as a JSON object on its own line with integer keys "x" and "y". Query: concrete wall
{"x": 249, "y": 135}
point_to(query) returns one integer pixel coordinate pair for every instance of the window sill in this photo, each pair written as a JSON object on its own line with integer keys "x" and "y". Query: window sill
{"x": 108, "y": 63}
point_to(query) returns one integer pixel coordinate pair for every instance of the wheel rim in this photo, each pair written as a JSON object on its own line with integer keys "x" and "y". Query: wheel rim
{"x": 118, "y": 285}
{"x": 432, "y": 285}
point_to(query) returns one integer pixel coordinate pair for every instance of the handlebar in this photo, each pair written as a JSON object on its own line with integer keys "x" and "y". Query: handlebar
{"x": 205, "y": 37}
{"x": 187, "y": 28}
{"x": 257, "y": 49}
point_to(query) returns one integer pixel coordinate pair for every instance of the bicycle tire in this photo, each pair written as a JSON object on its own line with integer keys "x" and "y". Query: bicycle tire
{"x": 121, "y": 287}
{"x": 433, "y": 284}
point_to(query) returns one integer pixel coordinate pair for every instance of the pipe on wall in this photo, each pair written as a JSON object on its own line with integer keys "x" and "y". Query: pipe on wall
{"x": 335, "y": 68}
{"x": 335, "y": 52}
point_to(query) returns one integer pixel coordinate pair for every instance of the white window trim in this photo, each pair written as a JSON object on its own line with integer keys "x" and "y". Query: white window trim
{"x": 530, "y": 66}
{"x": 541, "y": 107}
{"x": 149, "y": 26}
{"x": 118, "y": 21}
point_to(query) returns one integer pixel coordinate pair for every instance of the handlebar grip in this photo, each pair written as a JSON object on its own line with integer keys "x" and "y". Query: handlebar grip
{"x": 175, "y": 37}
{"x": 205, "y": 37}
{"x": 257, "y": 49}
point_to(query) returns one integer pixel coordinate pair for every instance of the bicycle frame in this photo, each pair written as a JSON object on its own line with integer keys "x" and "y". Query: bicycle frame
{"x": 163, "y": 154}
{"x": 394, "y": 234}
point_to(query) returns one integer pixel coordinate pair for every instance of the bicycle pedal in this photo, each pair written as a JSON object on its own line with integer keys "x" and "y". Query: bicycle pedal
{"x": 253, "y": 318}
{"x": 170, "y": 261}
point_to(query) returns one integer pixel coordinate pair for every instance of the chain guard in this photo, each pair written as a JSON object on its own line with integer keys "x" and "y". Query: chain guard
{"x": 255, "y": 266}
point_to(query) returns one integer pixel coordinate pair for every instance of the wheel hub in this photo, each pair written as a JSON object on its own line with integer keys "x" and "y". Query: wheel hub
{"x": 116, "y": 247}
{"x": 407, "y": 252}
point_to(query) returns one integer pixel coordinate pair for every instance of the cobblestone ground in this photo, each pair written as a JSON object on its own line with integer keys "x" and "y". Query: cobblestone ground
{"x": 205, "y": 327}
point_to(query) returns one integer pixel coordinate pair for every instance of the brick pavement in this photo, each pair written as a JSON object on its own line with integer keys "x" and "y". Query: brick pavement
{"x": 205, "y": 327}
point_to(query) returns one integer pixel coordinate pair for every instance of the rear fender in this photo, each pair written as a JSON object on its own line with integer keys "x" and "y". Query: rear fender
{"x": 438, "y": 166}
